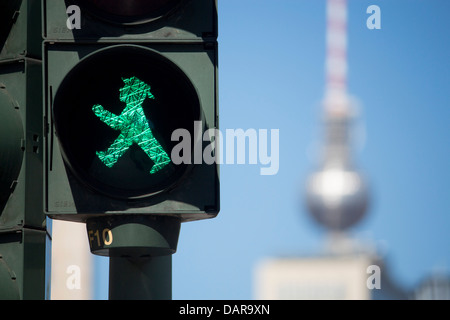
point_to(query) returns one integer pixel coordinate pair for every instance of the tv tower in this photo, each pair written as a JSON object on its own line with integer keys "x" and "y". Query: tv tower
{"x": 337, "y": 197}
{"x": 336, "y": 192}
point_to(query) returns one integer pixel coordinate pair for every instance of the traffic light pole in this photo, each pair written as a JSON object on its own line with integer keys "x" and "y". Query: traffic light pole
{"x": 141, "y": 278}
{"x": 140, "y": 248}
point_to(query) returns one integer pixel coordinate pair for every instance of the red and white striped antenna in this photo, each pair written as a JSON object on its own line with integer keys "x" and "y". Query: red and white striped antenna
{"x": 336, "y": 98}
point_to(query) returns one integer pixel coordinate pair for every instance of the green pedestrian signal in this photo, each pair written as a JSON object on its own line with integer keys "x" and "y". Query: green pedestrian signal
{"x": 133, "y": 125}
{"x": 114, "y": 125}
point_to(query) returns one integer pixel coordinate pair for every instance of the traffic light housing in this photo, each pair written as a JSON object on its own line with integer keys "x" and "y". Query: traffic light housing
{"x": 22, "y": 220}
{"x": 20, "y": 32}
{"x": 127, "y": 86}
{"x": 21, "y": 144}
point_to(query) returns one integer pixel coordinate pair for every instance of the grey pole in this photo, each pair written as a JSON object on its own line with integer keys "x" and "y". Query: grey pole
{"x": 141, "y": 278}
{"x": 140, "y": 248}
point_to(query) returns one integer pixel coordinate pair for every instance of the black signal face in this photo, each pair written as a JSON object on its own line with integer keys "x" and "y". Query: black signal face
{"x": 114, "y": 115}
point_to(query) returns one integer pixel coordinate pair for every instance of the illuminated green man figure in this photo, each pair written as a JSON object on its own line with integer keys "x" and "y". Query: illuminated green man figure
{"x": 133, "y": 126}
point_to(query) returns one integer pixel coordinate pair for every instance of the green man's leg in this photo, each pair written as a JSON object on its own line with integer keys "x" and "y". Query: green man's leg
{"x": 154, "y": 150}
{"x": 115, "y": 151}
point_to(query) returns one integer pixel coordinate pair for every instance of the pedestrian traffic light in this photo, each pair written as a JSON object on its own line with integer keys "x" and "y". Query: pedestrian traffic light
{"x": 129, "y": 85}
{"x": 22, "y": 219}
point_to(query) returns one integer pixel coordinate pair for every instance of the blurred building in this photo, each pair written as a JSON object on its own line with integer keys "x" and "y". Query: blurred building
{"x": 71, "y": 262}
{"x": 434, "y": 287}
{"x": 350, "y": 276}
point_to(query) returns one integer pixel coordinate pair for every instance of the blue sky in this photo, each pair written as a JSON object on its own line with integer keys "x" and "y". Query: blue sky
{"x": 271, "y": 76}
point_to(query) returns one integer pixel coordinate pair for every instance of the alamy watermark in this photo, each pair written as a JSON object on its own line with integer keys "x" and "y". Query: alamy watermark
{"x": 234, "y": 150}
{"x": 374, "y": 280}
{"x": 374, "y": 21}
{"x": 73, "y": 281}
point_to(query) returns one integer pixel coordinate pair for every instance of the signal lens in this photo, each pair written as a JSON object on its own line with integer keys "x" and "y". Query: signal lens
{"x": 114, "y": 115}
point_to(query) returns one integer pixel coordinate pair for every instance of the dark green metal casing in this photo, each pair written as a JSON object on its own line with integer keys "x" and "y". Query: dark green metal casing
{"x": 22, "y": 265}
{"x": 23, "y": 233}
{"x": 21, "y": 143}
{"x": 20, "y": 33}
{"x": 187, "y": 38}
{"x": 187, "y": 20}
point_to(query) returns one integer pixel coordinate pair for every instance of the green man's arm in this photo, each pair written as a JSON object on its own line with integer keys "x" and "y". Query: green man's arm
{"x": 112, "y": 120}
